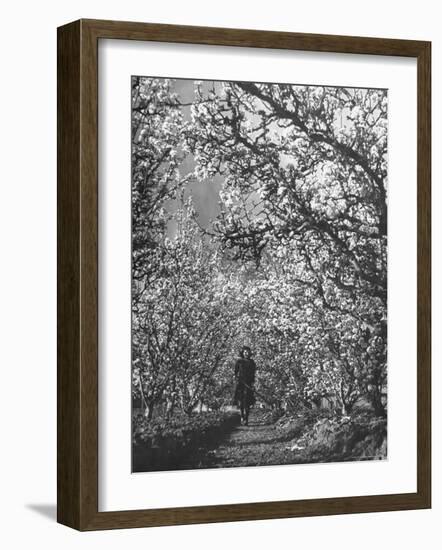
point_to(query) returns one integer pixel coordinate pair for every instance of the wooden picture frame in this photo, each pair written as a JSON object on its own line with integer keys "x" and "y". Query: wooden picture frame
{"x": 77, "y": 459}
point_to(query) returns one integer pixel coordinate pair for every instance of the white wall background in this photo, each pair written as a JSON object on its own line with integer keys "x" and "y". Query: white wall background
{"x": 28, "y": 271}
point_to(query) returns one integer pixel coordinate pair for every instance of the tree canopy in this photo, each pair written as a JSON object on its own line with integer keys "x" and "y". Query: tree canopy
{"x": 293, "y": 263}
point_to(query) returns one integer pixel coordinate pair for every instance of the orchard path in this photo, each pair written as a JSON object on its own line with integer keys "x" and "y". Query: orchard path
{"x": 259, "y": 443}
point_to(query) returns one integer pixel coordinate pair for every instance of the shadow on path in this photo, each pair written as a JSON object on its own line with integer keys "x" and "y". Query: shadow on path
{"x": 252, "y": 445}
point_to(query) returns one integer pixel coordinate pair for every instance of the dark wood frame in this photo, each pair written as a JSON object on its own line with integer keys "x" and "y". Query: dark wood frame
{"x": 77, "y": 223}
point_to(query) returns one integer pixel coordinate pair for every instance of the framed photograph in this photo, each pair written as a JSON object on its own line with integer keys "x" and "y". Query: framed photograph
{"x": 243, "y": 275}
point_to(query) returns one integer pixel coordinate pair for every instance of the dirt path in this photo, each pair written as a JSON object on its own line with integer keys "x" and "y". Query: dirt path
{"x": 257, "y": 444}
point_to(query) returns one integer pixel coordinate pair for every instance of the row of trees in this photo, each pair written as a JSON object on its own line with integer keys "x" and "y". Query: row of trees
{"x": 294, "y": 264}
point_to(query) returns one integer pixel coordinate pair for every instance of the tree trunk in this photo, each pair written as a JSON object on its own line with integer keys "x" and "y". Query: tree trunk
{"x": 378, "y": 407}
{"x": 375, "y": 398}
{"x": 148, "y": 412}
{"x": 170, "y": 406}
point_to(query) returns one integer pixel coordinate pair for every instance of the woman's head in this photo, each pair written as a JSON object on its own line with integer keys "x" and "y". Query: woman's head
{"x": 245, "y": 352}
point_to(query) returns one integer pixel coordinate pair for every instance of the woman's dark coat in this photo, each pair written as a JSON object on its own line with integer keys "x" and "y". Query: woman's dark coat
{"x": 245, "y": 370}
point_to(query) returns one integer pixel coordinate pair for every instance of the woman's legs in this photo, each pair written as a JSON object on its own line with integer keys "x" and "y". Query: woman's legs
{"x": 246, "y": 414}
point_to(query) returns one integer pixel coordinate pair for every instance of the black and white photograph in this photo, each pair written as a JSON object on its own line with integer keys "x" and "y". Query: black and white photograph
{"x": 259, "y": 273}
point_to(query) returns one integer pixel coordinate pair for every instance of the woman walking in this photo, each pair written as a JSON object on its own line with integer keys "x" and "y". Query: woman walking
{"x": 244, "y": 397}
